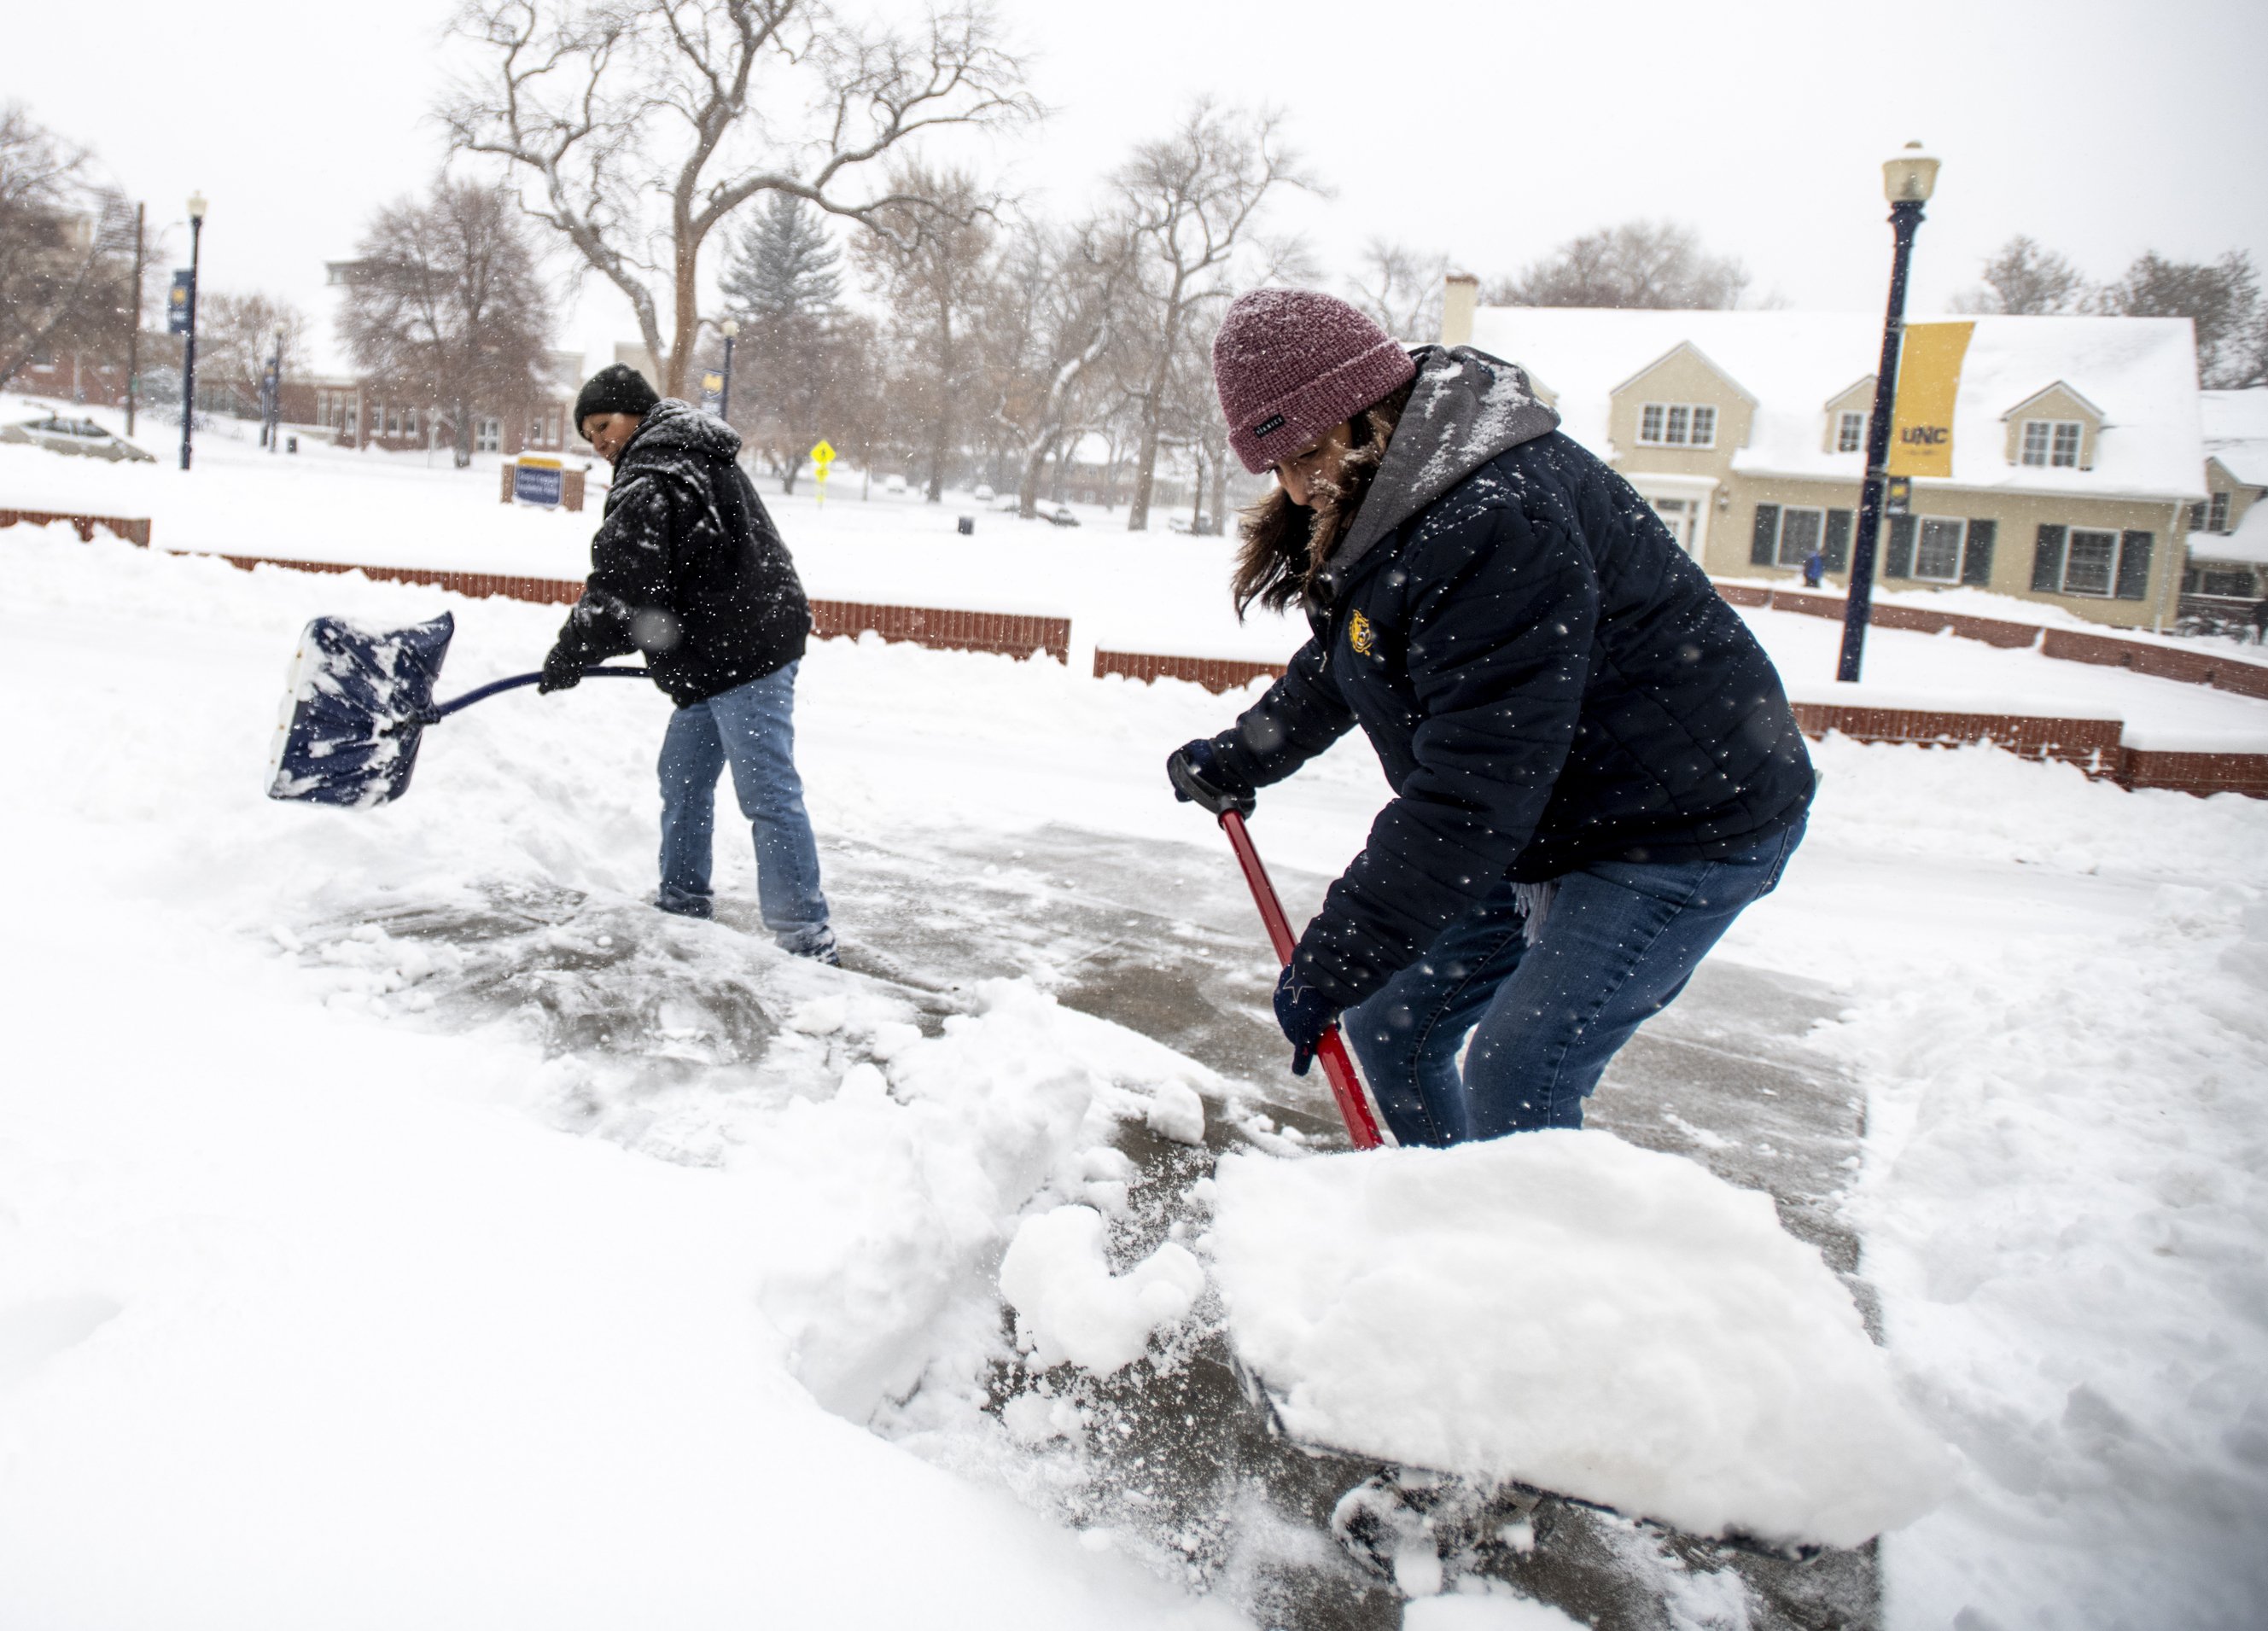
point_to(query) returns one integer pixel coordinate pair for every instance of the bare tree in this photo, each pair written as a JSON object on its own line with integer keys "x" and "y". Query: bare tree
{"x": 445, "y": 306}
{"x": 932, "y": 256}
{"x": 640, "y": 126}
{"x": 1060, "y": 311}
{"x": 2023, "y": 280}
{"x": 1189, "y": 199}
{"x": 1399, "y": 289}
{"x": 2221, "y": 299}
{"x": 237, "y": 334}
{"x": 66, "y": 249}
{"x": 1655, "y": 264}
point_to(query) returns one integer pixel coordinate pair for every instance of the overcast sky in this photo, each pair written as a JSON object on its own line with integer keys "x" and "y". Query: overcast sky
{"x": 1487, "y": 131}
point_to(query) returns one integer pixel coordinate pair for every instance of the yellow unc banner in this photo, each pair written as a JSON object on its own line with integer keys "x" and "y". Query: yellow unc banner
{"x": 1929, "y": 379}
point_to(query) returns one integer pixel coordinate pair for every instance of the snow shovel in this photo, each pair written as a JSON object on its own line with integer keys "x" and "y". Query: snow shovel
{"x": 357, "y": 705}
{"x": 1338, "y": 1066}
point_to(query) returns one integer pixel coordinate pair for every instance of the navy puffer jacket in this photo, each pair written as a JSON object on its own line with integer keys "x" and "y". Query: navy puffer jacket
{"x": 1549, "y": 680}
{"x": 686, "y": 566}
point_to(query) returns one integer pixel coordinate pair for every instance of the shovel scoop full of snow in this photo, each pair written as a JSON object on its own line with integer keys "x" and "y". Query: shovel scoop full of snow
{"x": 358, "y": 704}
{"x": 359, "y": 700}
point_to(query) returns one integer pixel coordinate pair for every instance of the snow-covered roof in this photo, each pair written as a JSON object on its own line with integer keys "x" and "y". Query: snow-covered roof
{"x": 2236, "y": 431}
{"x": 2141, "y": 371}
{"x": 2247, "y": 544}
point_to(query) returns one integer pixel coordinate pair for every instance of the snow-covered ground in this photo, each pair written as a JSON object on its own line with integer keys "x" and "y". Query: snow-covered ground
{"x": 306, "y": 1279}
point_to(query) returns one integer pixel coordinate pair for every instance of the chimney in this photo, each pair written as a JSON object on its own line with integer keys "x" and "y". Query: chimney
{"x": 1461, "y": 293}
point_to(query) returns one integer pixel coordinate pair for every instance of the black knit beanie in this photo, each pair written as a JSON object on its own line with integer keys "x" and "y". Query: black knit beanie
{"x": 617, "y": 388}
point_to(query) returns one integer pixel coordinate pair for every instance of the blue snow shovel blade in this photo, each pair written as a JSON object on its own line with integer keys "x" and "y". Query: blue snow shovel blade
{"x": 359, "y": 700}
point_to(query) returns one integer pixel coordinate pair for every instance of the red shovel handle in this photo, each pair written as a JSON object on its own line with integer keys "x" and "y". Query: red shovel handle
{"x": 1346, "y": 1087}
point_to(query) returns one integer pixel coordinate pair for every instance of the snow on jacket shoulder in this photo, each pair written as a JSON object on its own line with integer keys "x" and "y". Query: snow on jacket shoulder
{"x": 686, "y": 566}
{"x": 1550, "y": 683}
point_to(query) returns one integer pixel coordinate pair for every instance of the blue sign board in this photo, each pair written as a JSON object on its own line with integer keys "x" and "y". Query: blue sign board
{"x": 177, "y": 302}
{"x": 537, "y": 484}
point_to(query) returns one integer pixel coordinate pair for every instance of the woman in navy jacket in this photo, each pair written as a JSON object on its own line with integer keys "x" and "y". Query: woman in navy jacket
{"x": 1594, "y": 767}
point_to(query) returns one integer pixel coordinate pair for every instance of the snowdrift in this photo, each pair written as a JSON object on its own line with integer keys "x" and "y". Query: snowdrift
{"x": 1566, "y": 1310}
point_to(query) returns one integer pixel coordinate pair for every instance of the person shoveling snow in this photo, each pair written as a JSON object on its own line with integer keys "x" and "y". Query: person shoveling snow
{"x": 688, "y": 567}
{"x": 1595, "y": 769}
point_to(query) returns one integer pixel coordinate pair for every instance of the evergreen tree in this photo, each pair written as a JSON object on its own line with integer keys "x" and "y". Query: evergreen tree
{"x": 802, "y": 366}
{"x": 783, "y": 268}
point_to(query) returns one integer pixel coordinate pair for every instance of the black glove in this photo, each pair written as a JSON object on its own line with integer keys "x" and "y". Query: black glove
{"x": 1201, "y": 777}
{"x": 563, "y": 671}
{"x": 1303, "y": 1012}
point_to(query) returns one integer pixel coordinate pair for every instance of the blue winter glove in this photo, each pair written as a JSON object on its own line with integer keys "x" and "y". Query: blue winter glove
{"x": 1304, "y": 1013}
{"x": 1201, "y": 777}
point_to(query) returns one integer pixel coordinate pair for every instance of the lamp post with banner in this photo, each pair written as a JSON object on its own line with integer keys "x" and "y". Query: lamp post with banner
{"x": 184, "y": 321}
{"x": 1908, "y": 178}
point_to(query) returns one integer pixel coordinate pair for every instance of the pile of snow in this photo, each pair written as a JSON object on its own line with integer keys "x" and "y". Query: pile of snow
{"x": 1069, "y": 1305}
{"x": 1568, "y": 1311}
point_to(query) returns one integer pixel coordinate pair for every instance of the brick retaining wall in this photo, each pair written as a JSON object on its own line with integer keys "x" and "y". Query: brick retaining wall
{"x": 2197, "y": 773}
{"x": 1214, "y": 673}
{"x": 2093, "y": 744}
{"x": 133, "y": 529}
{"x": 1008, "y": 634}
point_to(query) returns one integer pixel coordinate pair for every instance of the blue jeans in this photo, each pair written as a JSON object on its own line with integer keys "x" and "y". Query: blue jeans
{"x": 1617, "y": 944}
{"x": 752, "y": 728}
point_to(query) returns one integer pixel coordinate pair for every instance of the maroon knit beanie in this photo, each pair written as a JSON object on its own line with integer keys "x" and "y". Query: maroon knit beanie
{"x": 1291, "y": 362}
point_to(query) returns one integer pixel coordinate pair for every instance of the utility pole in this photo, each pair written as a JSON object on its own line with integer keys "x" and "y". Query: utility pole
{"x": 134, "y": 330}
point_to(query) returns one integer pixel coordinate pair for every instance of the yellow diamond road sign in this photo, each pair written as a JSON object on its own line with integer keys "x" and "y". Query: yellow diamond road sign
{"x": 822, "y": 455}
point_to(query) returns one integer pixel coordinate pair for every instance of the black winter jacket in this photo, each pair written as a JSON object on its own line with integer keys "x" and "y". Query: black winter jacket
{"x": 1549, "y": 680}
{"x": 686, "y": 566}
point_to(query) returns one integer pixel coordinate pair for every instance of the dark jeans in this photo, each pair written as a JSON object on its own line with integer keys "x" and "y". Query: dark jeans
{"x": 1617, "y": 943}
{"x": 752, "y": 728}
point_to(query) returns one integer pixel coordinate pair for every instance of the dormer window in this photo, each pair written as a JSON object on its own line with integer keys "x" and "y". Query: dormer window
{"x": 1677, "y": 424}
{"x": 2051, "y": 443}
{"x": 1850, "y": 431}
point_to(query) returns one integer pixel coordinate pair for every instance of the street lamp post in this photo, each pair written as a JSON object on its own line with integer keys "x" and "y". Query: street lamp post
{"x": 272, "y": 432}
{"x": 189, "y": 336}
{"x": 731, "y": 327}
{"x": 1908, "y": 178}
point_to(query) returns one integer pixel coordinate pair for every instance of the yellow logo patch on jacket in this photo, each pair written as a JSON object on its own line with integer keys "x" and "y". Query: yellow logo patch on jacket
{"x": 1360, "y": 635}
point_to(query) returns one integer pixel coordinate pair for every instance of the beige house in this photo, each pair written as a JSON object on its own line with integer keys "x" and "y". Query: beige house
{"x": 2077, "y": 456}
{"x": 2228, "y": 542}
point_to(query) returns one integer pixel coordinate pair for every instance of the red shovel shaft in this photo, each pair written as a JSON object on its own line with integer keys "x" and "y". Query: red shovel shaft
{"x": 1346, "y": 1087}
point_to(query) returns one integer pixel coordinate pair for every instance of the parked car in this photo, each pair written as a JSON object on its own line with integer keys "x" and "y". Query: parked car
{"x": 1061, "y": 516}
{"x": 1180, "y": 524}
{"x": 59, "y": 434}
{"x": 984, "y": 494}
{"x": 893, "y": 484}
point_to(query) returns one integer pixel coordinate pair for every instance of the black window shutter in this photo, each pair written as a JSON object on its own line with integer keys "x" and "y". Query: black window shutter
{"x": 1977, "y": 563}
{"x": 1899, "y": 563}
{"x": 2047, "y": 559}
{"x": 2134, "y": 567}
{"x": 1838, "y": 540}
{"x": 1763, "y": 544}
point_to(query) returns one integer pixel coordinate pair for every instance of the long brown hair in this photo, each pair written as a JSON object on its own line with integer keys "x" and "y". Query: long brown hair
{"x": 1284, "y": 544}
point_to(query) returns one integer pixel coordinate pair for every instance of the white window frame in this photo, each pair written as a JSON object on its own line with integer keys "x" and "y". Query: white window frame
{"x": 1851, "y": 431}
{"x": 1779, "y": 534}
{"x": 488, "y": 436}
{"x": 2217, "y": 513}
{"x": 1960, "y": 548}
{"x": 2049, "y": 454}
{"x": 1677, "y": 424}
{"x": 2110, "y": 572}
